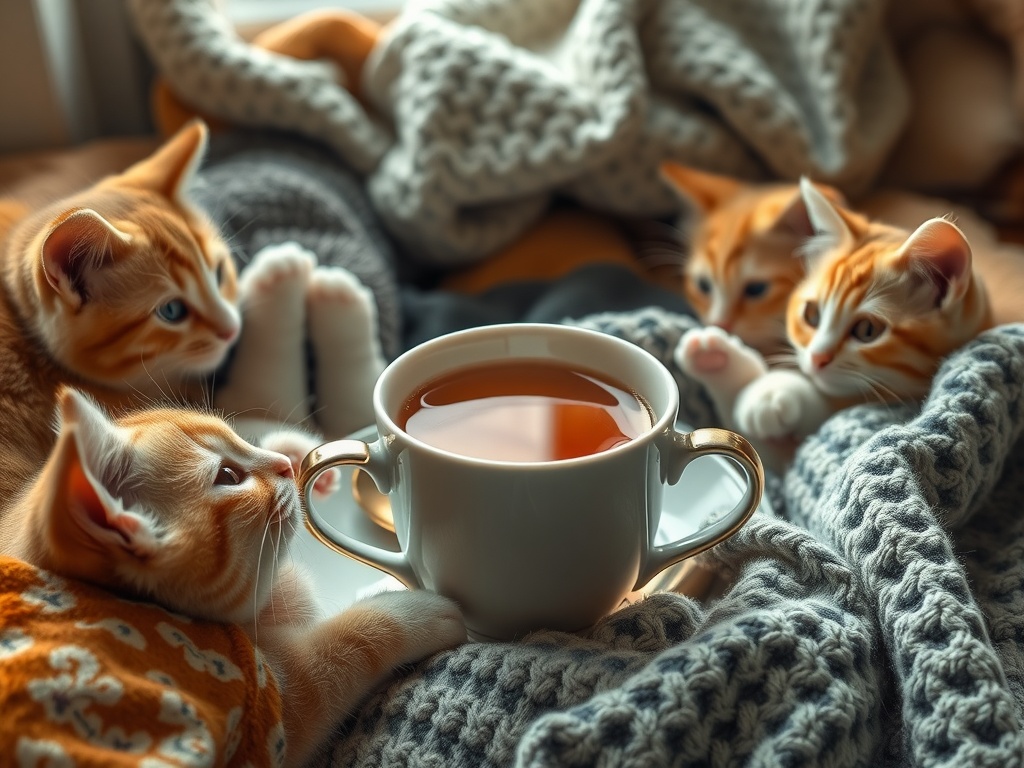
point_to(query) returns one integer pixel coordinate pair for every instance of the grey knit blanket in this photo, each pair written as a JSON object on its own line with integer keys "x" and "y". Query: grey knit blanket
{"x": 484, "y": 110}
{"x": 876, "y": 618}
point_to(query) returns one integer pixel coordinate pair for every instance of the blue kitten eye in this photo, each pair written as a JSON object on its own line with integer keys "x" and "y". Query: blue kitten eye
{"x": 219, "y": 274}
{"x": 704, "y": 285}
{"x": 812, "y": 316}
{"x": 756, "y": 289}
{"x": 174, "y": 311}
{"x": 867, "y": 329}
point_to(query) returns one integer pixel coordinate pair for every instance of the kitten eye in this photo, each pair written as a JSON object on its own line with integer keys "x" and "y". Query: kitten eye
{"x": 219, "y": 274}
{"x": 812, "y": 316}
{"x": 228, "y": 476}
{"x": 755, "y": 289}
{"x": 704, "y": 285}
{"x": 174, "y": 311}
{"x": 867, "y": 329}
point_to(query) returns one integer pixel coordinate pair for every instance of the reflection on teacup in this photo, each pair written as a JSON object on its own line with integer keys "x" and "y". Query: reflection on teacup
{"x": 538, "y": 506}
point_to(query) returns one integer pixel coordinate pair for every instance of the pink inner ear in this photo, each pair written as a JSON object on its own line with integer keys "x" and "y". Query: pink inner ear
{"x": 85, "y": 497}
{"x": 80, "y": 242}
{"x": 944, "y": 254}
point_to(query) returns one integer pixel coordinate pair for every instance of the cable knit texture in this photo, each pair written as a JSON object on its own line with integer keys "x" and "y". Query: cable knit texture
{"x": 877, "y": 620}
{"x": 489, "y": 108}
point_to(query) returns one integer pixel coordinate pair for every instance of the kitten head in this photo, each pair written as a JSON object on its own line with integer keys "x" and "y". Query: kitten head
{"x": 742, "y": 263}
{"x": 127, "y": 284}
{"x": 166, "y": 505}
{"x": 881, "y": 306}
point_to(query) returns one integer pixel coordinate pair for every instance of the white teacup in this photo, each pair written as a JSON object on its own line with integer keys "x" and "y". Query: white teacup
{"x": 529, "y": 545}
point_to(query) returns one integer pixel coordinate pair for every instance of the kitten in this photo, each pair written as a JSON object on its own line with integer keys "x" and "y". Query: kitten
{"x": 877, "y": 311}
{"x": 741, "y": 239}
{"x": 172, "y": 507}
{"x": 124, "y": 290}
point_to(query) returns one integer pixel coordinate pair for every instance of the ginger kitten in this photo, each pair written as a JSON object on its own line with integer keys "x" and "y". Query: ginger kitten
{"x": 170, "y": 506}
{"x": 124, "y": 290}
{"x": 741, "y": 239}
{"x": 877, "y": 311}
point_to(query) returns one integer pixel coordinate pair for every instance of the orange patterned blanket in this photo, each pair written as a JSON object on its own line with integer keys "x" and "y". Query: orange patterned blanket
{"x": 88, "y": 679}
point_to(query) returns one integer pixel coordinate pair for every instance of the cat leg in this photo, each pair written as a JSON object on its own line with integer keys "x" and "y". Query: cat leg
{"x": 781, "y": 404}
{"x": 343, "y": 330}
{"x": 267, "y": 377}
{"x": 324, "y": 672}
{"x": 722, "y": 364}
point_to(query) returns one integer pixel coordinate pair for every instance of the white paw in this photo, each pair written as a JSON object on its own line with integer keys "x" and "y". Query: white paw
{"x": 274, "y": 267}
{"x": 337, "y": 287}
{"x": 779, "y": 404}
{"x": 769, "y": 415}
{"x": 432, "y": 623}
{"x": 711, "y": 353}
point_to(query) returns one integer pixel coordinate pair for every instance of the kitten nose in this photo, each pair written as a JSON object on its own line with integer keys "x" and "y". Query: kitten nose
{"x": 227, "y": 334}
{"x": 283, "y": 467}
{"x": 820, "y": 359}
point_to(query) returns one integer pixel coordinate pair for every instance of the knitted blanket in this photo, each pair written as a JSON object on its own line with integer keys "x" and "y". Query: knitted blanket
{"x": 482, "y": 111}
{"x": 875, "y": 619}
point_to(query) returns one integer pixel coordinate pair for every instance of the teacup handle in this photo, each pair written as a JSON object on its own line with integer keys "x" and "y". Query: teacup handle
{"x": 371, "y": 458}
{"x": 679, "y": 450}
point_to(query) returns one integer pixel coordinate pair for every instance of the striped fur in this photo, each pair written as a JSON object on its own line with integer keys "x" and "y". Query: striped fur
{"x": 880, "y": 306}
{"x": 741, "y": 241}
{"x": 172, "y": 507}
{"x": 877, "y": 310}
{"x": 122, "y": 289}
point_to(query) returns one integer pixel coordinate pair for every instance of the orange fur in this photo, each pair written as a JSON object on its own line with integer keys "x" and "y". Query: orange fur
{"x": 84, "y": 278}
{"x": 741, "y": 232}
{"x": 741, "y": 241}
{"x": 881, "y": 306}
{"x": 170, "y": 506}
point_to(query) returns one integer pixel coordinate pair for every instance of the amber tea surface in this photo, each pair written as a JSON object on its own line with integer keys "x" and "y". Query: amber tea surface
{"x": 526, "y": 411}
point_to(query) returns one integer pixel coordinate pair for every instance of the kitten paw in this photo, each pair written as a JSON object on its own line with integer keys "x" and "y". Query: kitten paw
{"x": 780, "y": 404}
{"x": 338, "y": 288}
{"x": 282, "y": 266}
{"x": 711, "y": 355}
{"x": 432, "y": 623}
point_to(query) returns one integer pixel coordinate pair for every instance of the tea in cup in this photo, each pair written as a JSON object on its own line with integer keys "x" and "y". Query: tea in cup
{"x": 525, "y": 466}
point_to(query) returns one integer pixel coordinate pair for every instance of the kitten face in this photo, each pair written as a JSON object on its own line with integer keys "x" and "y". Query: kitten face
{"x": 880, "y": 307}
{"x": 167, "y": 505}
{"x": 136, "y": 288}
{"x": 742, "y": 264}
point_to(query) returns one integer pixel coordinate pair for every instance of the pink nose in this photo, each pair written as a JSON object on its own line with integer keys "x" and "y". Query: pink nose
{"x": 725, "y": 324}
{"x": 820, "y": 359}
{"x": 283, "y": 467}
{"x": 227, "y": 334}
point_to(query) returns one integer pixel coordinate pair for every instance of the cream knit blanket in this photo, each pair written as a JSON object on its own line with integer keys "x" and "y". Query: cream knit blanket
{"x": 487, "y": 109}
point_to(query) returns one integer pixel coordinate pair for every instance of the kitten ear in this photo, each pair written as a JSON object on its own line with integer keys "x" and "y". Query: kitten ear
{"x": 830, "y": 230}
{"x": 795, "y": 219}
{"x": 705, "y": 191}
{"x": 78, "y": 242}
{"x": 170, "y": 169}
{"x": 939, "y": 258}
{"x": 94, "y": 457}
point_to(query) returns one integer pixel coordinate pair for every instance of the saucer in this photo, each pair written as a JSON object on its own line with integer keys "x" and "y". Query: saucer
{"x": 711, "y": 485}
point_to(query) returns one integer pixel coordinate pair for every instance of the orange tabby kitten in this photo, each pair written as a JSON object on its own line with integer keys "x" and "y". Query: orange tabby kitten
{"x": 743, "y": 239}
{"x": 123, "y": 290}
{"x": 877, "y": 311}
{"x": 740, "y": 267}
{"x": 172, "y": 507}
